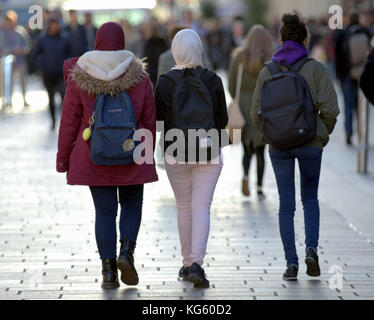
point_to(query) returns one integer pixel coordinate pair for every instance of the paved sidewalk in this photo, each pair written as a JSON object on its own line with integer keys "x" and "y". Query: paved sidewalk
{"x": 48, "y": 249}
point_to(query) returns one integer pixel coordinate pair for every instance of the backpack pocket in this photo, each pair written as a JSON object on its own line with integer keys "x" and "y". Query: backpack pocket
{"x": 113, "y": 145}
{"x": 286, "y": 127}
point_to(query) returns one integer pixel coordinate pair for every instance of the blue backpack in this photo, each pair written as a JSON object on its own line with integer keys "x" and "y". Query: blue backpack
{"x": 113, "y": 132}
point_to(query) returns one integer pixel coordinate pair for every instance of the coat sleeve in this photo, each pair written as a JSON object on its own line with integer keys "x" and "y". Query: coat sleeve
{"x": 256, "y": 97}
{"x": 37, "y": 54}
{"x": 367, "y": 79}
{"x": 326, "y": 100}
{"x": 148, "y": 119}
{"x": 232, "y": 76}
{"x": 221, "y": 106}
{"x": 69, "y": 126}
{"x": 160, "y": 99}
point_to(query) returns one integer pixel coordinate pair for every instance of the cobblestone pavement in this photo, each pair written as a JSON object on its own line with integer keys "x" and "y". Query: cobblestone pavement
{"x": 48, "y": 248}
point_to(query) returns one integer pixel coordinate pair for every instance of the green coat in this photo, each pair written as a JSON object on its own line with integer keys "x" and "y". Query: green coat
{"x": 324, "y": 97}
{"x": 250, "y": 134}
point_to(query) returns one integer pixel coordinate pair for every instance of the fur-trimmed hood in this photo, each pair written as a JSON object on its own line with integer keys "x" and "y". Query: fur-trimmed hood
{"x": 109, "y": 72}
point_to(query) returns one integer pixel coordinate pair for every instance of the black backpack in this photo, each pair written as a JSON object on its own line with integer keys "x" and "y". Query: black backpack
{"x": 192, "y": 108}
{"x": 287, "y": 112}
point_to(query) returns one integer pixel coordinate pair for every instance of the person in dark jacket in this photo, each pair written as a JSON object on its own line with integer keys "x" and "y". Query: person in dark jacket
{"x": 49, "y": 54}
{"x": 367, "y": 78}
{"x": 309, "y": 155}
{"x": 348, "y": 84}
{"x": 193, "y": 183}
{"x": 77, "y": 35}
{"x": 90, "y": 30}
{"x": 154, "y": 47}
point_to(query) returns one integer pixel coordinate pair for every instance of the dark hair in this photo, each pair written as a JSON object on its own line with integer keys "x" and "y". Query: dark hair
{"x": 354, "y": 17}
{"x": 175, "y": 29}
{"x": 294, "y": 28}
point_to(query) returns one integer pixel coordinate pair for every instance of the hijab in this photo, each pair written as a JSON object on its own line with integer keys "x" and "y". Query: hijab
{"x": 187, "y": 49}
{"x": 110, "y": 37}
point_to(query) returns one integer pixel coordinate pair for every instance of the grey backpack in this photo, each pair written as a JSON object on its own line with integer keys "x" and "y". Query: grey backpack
{"x": 287, "y": 112}
{"x": 356, "y": 49}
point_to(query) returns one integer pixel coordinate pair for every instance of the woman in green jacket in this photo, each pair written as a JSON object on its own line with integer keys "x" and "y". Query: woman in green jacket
{"x": 254, "y": 52}
{"x": 309, "y": 155}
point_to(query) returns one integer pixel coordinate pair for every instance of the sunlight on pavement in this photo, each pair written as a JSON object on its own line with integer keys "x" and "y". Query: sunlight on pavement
{"x": 37, "y": 99}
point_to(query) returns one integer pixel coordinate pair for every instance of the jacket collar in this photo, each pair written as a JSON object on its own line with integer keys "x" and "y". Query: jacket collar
{"x": 89, "y": 73}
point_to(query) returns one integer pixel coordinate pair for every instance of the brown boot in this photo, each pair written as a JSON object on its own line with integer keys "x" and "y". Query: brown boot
{"x": 245, "y": 189}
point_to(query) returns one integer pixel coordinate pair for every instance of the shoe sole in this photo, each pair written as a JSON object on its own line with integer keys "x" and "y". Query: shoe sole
{"x": 198, "y": 283}
{"x": 312, "y": 269}
{"x": 129, "y": 275}
{"x": 183, "y": 277}
{"x": 109, "y": 286}
{"x": 290, "y": 279}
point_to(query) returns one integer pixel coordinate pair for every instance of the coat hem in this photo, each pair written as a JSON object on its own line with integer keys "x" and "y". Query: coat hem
{"x": 105, "y": 184}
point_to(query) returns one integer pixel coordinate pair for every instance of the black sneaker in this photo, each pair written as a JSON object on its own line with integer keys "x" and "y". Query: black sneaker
{"x": 183, "y": 273}
{"x": 261, "y": 195}
{"x": 197, "y": 276}
{"x": 349, "y": 140}
{"x": 311, "y": 261}
{"x": 291, "y": 273}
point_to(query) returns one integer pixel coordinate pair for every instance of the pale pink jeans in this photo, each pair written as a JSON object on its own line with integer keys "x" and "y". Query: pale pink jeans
{"x": 193, "y": 186}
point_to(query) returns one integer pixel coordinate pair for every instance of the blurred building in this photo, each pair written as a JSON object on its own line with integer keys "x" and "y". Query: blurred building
{"x": 307, "y": 8}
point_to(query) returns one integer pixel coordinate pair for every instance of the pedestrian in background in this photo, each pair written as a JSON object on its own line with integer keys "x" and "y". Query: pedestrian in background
{"x": 347, "y": 48}
{"x": 309, "y": 155}
{"x": 15, "y": 40}
{"x": 90, "y": 30}
{"x": 76, "y": 33}
{"x": 134, "y": 42}
{"x": 155, "y": 45}
{"x": 93, "y": 73}
{"x": 193, "y": 183}
{"x": 234, "y": 38}
{"x": 257, "y": 48}
{"x": 49, "y": 54}
{"x": 215, "y": 43}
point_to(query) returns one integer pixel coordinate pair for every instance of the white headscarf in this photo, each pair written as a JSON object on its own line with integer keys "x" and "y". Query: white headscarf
{"x": 187, "y": 49}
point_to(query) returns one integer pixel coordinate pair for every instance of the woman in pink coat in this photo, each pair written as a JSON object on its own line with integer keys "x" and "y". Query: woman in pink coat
{"x": 108, "y": 69}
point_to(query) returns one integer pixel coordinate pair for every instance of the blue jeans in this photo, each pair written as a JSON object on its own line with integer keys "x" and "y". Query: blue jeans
{"x": 350, "y": 93}
{"x": 283, "y": 162}
{"x": 106, "y": 206}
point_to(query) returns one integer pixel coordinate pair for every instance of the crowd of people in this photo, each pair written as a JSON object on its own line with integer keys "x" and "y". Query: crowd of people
{"x": 183, "y": 58}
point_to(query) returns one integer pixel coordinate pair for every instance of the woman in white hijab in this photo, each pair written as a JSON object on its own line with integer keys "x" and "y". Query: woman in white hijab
{"x": 195, "y": 90}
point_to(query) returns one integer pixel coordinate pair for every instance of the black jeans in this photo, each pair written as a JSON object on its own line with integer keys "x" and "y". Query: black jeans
{"x": 260, "y": 157}
{"x": 53, "y": 84}
{"x": 106, "y": 206}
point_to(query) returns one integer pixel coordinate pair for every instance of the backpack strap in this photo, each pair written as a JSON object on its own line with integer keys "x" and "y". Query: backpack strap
{"x": 272, "y": 66}
{"x": 296, "y": 67}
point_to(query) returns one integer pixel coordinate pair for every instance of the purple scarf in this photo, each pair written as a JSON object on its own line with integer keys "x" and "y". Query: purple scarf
{"x": 290, "y": 53}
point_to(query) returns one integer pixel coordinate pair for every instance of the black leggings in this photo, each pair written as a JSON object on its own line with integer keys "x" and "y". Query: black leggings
{"x": 260, "y": 157}
{"x": 53, "y": 84}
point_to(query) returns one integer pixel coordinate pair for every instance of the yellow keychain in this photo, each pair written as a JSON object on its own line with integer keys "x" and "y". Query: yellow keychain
{"x": 86, "y": 134}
